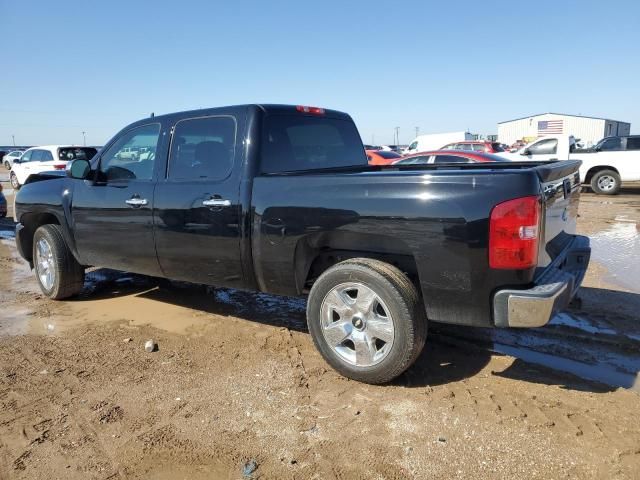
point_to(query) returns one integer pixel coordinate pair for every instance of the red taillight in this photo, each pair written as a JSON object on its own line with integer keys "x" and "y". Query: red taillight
{"x": 313, "y": 110}
{"x": 514, "y": 234}
{"x": 59, "y": 167}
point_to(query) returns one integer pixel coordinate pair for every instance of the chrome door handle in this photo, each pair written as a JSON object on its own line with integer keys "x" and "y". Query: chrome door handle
{"x": 136, "y": 202}
{"x": 216, "y": 202}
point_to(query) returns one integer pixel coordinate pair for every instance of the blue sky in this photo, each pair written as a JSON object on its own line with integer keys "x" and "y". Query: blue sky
{"x": 73, "y": 66}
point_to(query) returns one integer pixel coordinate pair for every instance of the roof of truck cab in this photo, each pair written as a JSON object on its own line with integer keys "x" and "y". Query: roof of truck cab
{"x": 269, "y": 108}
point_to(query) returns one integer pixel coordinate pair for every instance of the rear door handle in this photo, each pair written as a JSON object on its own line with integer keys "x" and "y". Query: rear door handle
{"x": 216, "y": 202}
{"x": 136, "y": 202}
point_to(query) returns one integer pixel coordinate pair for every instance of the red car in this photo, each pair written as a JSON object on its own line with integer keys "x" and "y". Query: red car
{"x": 475, "y": 146}
{"x": 448, "y": 156}
{"x": 382, "y": 157}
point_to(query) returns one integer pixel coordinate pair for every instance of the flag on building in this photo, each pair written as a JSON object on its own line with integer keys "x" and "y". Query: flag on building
{"x": 549, "y": 127}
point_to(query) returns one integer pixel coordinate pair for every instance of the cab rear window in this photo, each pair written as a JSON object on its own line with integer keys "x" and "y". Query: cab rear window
{"x": 299, "y": 142}
{"x": 75, "y": 153}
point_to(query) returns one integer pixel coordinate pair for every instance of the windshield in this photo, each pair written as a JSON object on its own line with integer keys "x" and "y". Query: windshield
{"x": 75, "y": 153}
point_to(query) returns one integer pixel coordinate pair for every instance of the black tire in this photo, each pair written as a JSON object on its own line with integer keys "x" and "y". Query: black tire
{"x": 14, "y": 181}
{"x": 606, "y": 182}
{"x": 401, "y": 298}
{"x": 68, "y": 278}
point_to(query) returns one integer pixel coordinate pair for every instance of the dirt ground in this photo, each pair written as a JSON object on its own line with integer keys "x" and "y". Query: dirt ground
{"x": 236, "y": 386}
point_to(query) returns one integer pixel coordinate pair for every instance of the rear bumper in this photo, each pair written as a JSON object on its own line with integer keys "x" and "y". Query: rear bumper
{"x": 553, "y": 289}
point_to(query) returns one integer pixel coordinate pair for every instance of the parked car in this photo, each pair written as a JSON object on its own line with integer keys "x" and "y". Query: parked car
{"x": 382, "y": 157}
{"x": 291, "y": 207}
{"x": 42, "y": 159}
{"x": 3, "y": 204}
{"x": 476, "y": 146}
{"x": 448, "y": 156}
{"x": 10, "y": 157}
{"x": 605, "y": 167}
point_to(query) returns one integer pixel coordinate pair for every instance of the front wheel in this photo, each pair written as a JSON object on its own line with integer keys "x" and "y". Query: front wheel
{"x": 606, "y": 182}
{"x": 367, "y": 320}
{"x": 14, "y": 181}
{"x": 58, "y": 272}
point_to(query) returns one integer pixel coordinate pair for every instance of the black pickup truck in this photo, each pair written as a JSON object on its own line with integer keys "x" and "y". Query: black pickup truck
{"x": 280, "y": 199}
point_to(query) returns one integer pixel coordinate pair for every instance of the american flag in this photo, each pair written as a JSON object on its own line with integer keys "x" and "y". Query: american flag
{"x": 549, "y": 127}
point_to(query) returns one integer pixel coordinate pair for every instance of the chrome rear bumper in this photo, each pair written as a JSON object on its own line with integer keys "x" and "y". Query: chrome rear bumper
{"x": 553, "y": 289}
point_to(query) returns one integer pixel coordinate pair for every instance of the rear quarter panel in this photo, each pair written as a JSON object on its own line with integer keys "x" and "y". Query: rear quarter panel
{"x": 439, "y": 218}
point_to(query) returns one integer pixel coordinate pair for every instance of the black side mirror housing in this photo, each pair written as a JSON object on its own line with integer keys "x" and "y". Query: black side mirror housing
{"x": 526, "y": 152}
{"x": 79, "y": 169}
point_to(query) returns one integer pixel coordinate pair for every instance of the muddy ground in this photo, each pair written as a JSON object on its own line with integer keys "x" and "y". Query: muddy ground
{"x": 236, "y": 379}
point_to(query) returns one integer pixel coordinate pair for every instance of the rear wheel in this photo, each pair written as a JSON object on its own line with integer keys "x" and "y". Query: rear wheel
{"x": 14, "y": 181}
{"x": 606, "y": 182}
{"x": 366, "y": 319}
{"x": 58, "y": 272}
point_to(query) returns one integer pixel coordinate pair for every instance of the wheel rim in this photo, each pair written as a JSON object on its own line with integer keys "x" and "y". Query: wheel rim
{"x": 44, "y": 264}
{"x": 14, "y": 180}
{"x": 356, "y": 324}
{"x": 606, "y": 183}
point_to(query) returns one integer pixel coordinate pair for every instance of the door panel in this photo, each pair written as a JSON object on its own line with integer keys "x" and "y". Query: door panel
{"x": 113, "y": 213}
{"x": 197, "y": 211}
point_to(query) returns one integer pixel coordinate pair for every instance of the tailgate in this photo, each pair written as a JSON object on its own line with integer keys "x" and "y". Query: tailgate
{"x": 560, "y": 183}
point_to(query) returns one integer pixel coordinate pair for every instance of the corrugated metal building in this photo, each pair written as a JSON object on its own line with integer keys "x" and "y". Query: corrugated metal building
{"x": 588, "y": 129}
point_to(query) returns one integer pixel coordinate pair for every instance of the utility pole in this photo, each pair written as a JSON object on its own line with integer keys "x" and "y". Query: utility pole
{"x": 417, "y": 130}
{"x": 13, "y": 137}
{"x": 397, "y": 140}
{"x": 84, "y": 139}
{"x": 373, "y": 139}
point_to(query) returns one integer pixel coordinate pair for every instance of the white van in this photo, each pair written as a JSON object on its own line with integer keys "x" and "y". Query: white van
{"x": 435, "y": 141}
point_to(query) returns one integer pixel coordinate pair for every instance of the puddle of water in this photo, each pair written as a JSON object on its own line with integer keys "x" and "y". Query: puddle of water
{"x": 618, "y": 249}
{"x": 573, "y": 321}
{"x": 602, "y": 373}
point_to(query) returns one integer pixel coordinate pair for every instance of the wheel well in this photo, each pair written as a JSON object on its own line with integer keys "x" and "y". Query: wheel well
{"x": 325, "y": 259}
{"x": 593, "y": 170}
{"x": 31, "y": 223}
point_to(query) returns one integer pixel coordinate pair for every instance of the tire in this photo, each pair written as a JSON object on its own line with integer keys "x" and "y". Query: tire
{"x": 51, "y": 254}
{"x": 343, "y": 330}
{"x": 606, "y": 182}
{"x": 14, "y": 181}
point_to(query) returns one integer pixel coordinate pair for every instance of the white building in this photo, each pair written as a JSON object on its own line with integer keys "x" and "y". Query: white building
{"x": 588, "y": 129}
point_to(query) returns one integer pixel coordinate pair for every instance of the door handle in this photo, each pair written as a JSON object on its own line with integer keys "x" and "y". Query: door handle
{"x": 136, "y": 202}
{"x": 216, "y": 202}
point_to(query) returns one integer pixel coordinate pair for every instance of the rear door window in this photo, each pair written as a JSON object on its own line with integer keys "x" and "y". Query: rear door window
{"x": 36, "y": 155}
{"x": 46, "y": 156}
{"x": 202, "y": 148}
{"x": 478, "y": 147}
{"x": 76, "y": 153}
{"x": 301, "y": 142}
{"x": 633, "y": 143}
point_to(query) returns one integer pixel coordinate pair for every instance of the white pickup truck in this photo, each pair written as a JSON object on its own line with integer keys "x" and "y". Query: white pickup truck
{"x": 613, "y": 161}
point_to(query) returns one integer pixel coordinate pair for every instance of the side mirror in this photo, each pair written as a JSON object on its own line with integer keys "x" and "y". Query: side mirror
{"x": 525, "y": 152}
{"x": 17, "y": 160}
{"x": 79, "y": 169}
